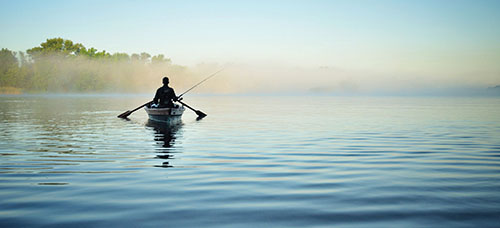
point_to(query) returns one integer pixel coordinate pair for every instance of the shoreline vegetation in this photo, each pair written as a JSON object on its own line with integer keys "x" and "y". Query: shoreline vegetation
{"x": 10, "y": 90}
{"x": 62, "y": 66}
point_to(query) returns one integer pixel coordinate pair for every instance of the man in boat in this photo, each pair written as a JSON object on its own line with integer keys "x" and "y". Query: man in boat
{"x": 165, "y": 96}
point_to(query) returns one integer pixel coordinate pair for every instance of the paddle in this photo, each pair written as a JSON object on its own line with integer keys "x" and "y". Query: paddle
{"x": 198, "y": 112}
{"x": 127, "y": 113}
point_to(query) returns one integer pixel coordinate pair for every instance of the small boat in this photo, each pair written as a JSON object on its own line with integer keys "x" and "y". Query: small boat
{"x": 166, "y": 115}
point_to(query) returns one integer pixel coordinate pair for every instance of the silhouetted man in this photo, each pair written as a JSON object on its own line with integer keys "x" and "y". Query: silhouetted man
{"x": 165, "y": 96}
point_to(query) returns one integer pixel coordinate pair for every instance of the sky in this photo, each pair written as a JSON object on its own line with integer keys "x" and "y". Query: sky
{"x": 425, "y": 43}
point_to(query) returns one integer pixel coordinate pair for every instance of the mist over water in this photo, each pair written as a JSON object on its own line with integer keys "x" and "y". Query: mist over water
{"x": 324, "y": 80}
{"x": 61, "y": 66}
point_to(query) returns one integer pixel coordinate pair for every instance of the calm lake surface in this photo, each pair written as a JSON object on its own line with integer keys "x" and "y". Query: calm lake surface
{"x": 66, "y": 161}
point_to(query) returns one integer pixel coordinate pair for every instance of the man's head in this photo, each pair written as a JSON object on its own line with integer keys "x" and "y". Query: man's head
{"x": 165, "y": 81}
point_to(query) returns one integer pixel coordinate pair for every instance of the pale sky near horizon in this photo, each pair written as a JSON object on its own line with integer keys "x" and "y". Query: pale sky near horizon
{"x": 447, "y": 39}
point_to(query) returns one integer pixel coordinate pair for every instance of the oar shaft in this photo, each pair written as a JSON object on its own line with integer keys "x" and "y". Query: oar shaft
{"x": 140, "y": 107}
{"x": 198, "y": 112}
{"x": 127, "y": 113}
{"x": 187, "y": 106}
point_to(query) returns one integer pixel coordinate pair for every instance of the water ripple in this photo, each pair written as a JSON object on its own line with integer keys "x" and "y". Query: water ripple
{"x": 367, "y": 162}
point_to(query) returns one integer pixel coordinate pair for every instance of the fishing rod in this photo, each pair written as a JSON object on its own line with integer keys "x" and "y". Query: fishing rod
{"x": 200, "y": 83}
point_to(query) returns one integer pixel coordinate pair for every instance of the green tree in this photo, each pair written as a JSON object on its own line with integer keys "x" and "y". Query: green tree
{"x": 88, "y": 52}
{"x": 23, "y": 59}
{"x": 25, "y": 72}
{"x": 120, "y": 57}
{"x": 56, "y": 46}
{"x": 160, "y": 59}
{"x": 145, "y": 57}
{"x": 60, "y": 65}
{"x": 135, "y": 57}
{"x": 9, "y": 67}
{"x": 102, "y": 54}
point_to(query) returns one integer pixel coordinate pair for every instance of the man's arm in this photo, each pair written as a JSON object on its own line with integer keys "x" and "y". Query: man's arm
{"x": 174, "y": 96}
{"x": 157, "y": 96}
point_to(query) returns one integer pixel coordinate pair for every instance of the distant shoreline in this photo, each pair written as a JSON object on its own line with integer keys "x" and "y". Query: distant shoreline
{"x": 10, "y": 91}
{"x": 19, "y": 93}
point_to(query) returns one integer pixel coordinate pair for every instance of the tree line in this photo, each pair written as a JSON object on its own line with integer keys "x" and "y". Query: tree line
{"x": 60, "y": 65}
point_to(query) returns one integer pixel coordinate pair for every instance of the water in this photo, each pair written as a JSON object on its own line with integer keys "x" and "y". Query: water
{"x": 254, "y": 161}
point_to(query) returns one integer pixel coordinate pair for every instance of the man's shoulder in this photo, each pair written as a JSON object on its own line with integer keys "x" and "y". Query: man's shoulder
{"x": 164, "y": 89}
{"x": 167, "y": 89}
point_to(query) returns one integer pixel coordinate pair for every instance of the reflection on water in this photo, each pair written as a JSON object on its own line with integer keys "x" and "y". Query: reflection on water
{"x": 165, "y": 135}
{"x": 67, "y": 161}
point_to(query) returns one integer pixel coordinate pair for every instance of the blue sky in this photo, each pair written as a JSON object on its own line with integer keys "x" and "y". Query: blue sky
{"x": 447, "y": 39}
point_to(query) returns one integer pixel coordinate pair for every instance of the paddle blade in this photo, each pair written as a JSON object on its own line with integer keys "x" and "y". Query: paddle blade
{"x": 200, "y": 114}
{"x": 124, "y": 115}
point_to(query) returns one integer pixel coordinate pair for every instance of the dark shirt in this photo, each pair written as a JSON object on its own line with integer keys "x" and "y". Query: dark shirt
{"x": 164, "y": 96}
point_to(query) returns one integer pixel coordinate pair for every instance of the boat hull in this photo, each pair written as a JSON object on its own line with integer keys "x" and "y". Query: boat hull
{"x": 166, "y": 115}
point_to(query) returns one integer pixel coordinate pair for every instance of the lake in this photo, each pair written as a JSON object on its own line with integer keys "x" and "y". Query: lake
{"x": 271, "y": 161}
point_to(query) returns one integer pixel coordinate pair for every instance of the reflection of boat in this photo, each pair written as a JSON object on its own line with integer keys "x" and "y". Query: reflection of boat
{"x": 166, "y": 115}
{"x": 165, "y": 135}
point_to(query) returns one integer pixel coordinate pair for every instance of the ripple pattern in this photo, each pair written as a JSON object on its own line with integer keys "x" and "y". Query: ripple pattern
{"x": 254, "y": 161}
